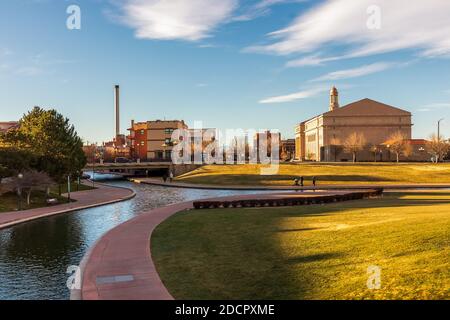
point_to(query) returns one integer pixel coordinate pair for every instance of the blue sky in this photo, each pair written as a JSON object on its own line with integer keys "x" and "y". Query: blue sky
{"x": 229, "y": 63}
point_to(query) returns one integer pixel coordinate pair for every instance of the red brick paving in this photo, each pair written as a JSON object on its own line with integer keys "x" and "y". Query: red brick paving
{"x": 84, "y": 199}
{"x": 125, "y": 251}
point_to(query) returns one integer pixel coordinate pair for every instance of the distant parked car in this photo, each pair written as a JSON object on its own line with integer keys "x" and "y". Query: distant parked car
{"x": 122, "y": 160}
{"x": 85, "y": 176}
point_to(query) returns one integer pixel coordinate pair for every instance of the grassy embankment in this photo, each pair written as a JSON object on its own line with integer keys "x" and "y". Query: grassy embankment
{"x": 337, "y": 173}
{"x": 9, "y": 201}
{"x": 310, "y": 252}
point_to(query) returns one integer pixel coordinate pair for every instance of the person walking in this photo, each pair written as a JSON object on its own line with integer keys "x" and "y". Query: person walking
{"x": 296, "y": 182}
{"x": 302, "y": 181}
{"x": 314, "y": 181}
{"x": 170, "y": 176}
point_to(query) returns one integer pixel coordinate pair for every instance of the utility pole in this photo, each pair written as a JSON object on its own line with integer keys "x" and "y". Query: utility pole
{"x": 68, "y": 188}
{"x": 439, "y": 139}
{"x": 94, "y": 153}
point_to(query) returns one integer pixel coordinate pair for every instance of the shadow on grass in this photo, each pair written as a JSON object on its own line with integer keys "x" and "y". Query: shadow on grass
{"x": 313, "y": 258}
{"x": 250, "y": 254}
{"x": 297, "y": 230}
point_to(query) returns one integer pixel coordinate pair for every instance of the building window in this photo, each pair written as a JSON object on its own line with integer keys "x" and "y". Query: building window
{"x": 142, "y": 143}
{"x": 167, "y": 141}
{"x": 312, "y": 138}
{"x": 142, "y": 131}
{"x": 168, "y": 131}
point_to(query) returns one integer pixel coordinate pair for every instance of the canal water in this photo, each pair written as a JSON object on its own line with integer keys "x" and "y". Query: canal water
{"x": 35, "y": 256}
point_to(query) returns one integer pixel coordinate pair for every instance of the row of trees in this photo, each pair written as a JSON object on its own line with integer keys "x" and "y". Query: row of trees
{"x": 397, "y": 143}
{"x": 43, "y": 150}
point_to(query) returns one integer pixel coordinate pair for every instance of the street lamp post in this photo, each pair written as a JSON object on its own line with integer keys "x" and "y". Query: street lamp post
{"x": 19, "y": 192}
{"x": 93, "y": 164}
{"x": 164, "y": 150}
{"x": 439, "y": 138}
{"x": 68, "y": 188}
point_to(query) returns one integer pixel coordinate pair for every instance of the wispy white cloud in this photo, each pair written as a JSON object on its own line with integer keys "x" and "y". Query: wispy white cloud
{"x": 304, "y": 94}
{"x": 424, "y": 26}
{"x": 260, "y": 8}
{"x": 208, "y": 45}
{"x": 434, "y": 106}
{"x": 355, "y": 72}
{"x": 30, "y": 65}
{"x": 312, "y": 60}
{"x": 189, "y": 20}
{"x": 176, "y": 19}
{"x": 29, "y": 71}
{"x": 4, "y": 52}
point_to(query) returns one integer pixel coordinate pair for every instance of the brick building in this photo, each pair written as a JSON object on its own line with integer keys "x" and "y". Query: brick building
{"x": 152, "y": 140}
{"x": 316, "y": 138}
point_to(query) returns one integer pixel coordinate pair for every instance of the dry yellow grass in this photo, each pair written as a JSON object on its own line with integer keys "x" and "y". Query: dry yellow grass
{"x": 310, "y": 252}
{"x": 338, "y": 173}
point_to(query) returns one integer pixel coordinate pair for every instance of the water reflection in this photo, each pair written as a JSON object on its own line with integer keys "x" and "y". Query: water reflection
{"x": 34, "y": 256}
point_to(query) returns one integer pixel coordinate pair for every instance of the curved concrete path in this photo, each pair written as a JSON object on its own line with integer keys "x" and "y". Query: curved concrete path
{"x": 178, "y": 184}
{"x": 84, "y": 199}
{"x": 120, "y": 266}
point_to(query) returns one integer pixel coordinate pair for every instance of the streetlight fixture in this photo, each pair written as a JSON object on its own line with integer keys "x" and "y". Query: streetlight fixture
{"x": 68, "y": 188}
{"x": 94, "y": 158}
{"x": 19, "y": 192}
{"x": 439, "y": 137}
{"x": 164, "y": 145}
{"x": 439, "y": 128}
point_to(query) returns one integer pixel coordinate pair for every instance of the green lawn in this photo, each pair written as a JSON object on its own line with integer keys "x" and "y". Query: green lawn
{"x": 9, "y": 201}
{"x": 338, "y": 173}
{"x": 74, "y": 187}
{"x": 310, "y": 252}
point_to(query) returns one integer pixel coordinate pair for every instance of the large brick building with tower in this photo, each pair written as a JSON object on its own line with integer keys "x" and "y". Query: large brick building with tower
{"x": 316, "y": 139}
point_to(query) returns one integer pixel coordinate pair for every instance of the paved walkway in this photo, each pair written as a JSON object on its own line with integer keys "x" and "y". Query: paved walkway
{"x": 177, "y": 184}
{"x": 120, "y": 266}
{"x": 84, "y": 199}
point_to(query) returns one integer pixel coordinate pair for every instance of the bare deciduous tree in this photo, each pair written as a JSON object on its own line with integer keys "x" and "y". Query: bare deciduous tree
{"x": 437, "y": 146}
{"x": 399, "y": 144}
{"x": 354, "y": 143}
{"x": 408, "y": 149}
{"x": 30, "y": 181}
{"x": 5, "y": 188}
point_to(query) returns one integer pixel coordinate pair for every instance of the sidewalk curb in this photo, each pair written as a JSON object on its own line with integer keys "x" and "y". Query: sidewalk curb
{"x": 286, "y": 188}
{"x": 45, "y": 215}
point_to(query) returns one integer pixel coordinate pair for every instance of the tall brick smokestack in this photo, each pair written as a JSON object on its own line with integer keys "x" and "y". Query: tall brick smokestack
{"x": 117, "y": 108}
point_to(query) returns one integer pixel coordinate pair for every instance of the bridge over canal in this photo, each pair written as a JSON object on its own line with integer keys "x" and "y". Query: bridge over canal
{"x": 140, "y": 168}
